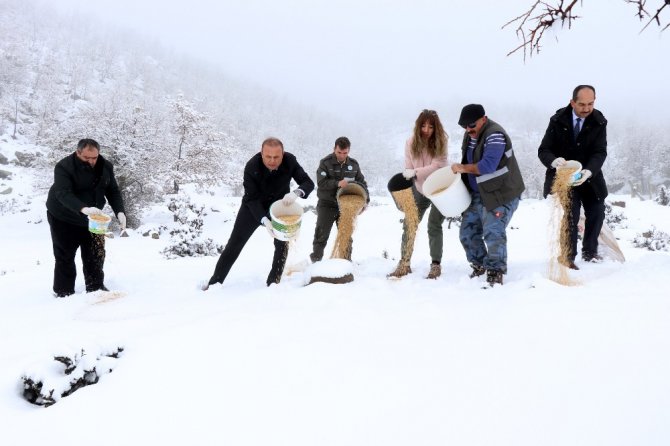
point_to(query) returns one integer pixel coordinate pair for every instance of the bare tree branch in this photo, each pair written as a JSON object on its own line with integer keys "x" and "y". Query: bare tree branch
{"x": 547, "y": 15}
{"x": 657, "y": 17}
{"x": 543, "y": 14}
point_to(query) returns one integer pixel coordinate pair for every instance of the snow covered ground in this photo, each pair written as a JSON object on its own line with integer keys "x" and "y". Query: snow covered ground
{"x": 372, "y": 362}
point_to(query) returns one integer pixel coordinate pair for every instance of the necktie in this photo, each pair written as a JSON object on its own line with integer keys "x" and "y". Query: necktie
{"x": 578, "y": 127}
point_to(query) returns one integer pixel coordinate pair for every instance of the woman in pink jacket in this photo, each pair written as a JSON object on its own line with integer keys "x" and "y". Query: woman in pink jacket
{"x": 425, "y": 152}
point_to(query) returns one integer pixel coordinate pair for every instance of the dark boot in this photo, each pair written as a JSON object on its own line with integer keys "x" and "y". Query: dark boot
{"x": 568, "y": 263}
{"x": 494, "y": 276}
{"x": 591, "y": 257}
{"x": 63, "y": 293}
{"x": 435, "y": 271}
{"x": 477, "y": 270}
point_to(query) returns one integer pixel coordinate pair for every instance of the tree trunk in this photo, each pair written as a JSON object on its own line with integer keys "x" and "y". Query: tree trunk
{"x": 16, "y": 117}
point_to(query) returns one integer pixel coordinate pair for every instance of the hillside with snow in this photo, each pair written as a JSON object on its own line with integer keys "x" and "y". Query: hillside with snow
{"x": 372, "y": 362}
{"x": 375, "y": 361}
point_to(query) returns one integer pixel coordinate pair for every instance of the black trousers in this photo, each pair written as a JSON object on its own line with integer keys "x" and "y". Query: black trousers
{"x": 594, "y": 213}
{"x": 66, "y": 239}
{"x": 244, "y": 227}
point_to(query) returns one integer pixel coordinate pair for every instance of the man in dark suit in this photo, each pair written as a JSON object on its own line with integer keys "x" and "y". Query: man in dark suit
{"x": 267, "y": 178}
{"x": 579, "y": 132}
{"x": 83, "y": 182}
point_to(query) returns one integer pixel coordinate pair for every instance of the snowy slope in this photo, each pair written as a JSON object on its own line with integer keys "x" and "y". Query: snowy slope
{"x": 376, "y": 361}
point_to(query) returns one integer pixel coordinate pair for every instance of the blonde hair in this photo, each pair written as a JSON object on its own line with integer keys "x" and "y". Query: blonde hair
{"x": 436, "y": 145}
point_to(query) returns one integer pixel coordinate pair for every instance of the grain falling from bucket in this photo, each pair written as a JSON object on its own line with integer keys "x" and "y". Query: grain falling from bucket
{"x": 559, "y": 238}
{"x": 350, "y": 206}
{"x": 405, "y": 200}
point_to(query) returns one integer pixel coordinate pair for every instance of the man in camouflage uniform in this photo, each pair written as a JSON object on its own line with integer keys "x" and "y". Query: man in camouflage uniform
{"x": 335, "y": 171}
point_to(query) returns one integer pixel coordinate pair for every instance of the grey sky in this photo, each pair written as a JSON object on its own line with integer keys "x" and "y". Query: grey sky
{"x": 351, "y": 56}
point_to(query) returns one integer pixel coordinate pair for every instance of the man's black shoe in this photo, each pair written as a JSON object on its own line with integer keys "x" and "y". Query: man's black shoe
{"x": 568, "y": 264}
{"x": 592, "y": 258}
{"x": 272, "y": 279}
{"x": 64, "y": 293}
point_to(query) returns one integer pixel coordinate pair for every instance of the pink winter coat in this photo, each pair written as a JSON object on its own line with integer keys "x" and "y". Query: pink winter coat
{"x": 424, "y": 165}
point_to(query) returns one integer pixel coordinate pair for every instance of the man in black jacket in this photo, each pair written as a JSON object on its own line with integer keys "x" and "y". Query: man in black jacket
{"x": 335, "y": 172}
{"x": 579, "y": 132}
{"x": 83, "y": 182}
{"x": 267, "y": 178}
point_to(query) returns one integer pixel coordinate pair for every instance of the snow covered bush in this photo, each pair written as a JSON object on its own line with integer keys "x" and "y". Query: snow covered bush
{"x": 653, "y": 240}
{"x": 186, "y": 236}
{"x": 44, "y": 386}
{"x": 615, "y": 218}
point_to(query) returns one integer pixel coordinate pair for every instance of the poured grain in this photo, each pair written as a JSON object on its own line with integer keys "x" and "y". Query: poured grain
{"x": 350, "y": 206}
{"x": 559, "y": 247}
{"x": 405, "y": 200}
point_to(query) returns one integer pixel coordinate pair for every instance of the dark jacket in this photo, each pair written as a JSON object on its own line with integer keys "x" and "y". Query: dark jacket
{"x": 503, "y": 185}
{"x": 330, "y": 173}
{"x": 590, "y": 149}
{"x": 78, "y": 185}
{"x": 263, "y": 187}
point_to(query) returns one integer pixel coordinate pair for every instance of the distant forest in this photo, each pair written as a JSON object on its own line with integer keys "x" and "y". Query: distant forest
{"x": 166, "y": 119}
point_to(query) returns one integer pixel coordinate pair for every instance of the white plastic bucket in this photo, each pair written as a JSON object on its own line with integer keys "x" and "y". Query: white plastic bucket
{"x": 575, "y": 167}
{"x": 447, "y": 192}
{"x": 98, "y": 223}
{"x": 283, "y": 229}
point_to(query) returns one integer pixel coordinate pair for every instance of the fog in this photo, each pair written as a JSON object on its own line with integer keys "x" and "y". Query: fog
{"x": 363, "y": 58}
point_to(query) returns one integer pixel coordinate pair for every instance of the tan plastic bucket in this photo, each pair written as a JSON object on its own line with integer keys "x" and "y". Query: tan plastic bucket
{"x": 98, "y": 223}
{"x": 447, "y": 192}
{"x": 282, "y": 217}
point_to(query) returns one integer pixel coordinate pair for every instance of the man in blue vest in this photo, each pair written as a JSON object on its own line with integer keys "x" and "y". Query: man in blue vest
{"x": 492, "y": 175}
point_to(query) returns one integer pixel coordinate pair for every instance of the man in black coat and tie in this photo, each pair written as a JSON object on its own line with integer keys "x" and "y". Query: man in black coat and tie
{"x": 267, "y": 178}
{"x": 579, "y": 132}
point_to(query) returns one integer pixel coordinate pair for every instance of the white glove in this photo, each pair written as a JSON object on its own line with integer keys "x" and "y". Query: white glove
{"x": 268, "y": 225}
{"x": 289, "y": 198}
{"x": 586, "y": 174}
{"x": 558, "y": 162}
{"x": 122, "y": 220}
{"x": 91, "y": 211}
{"x": 409, "y": 173}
